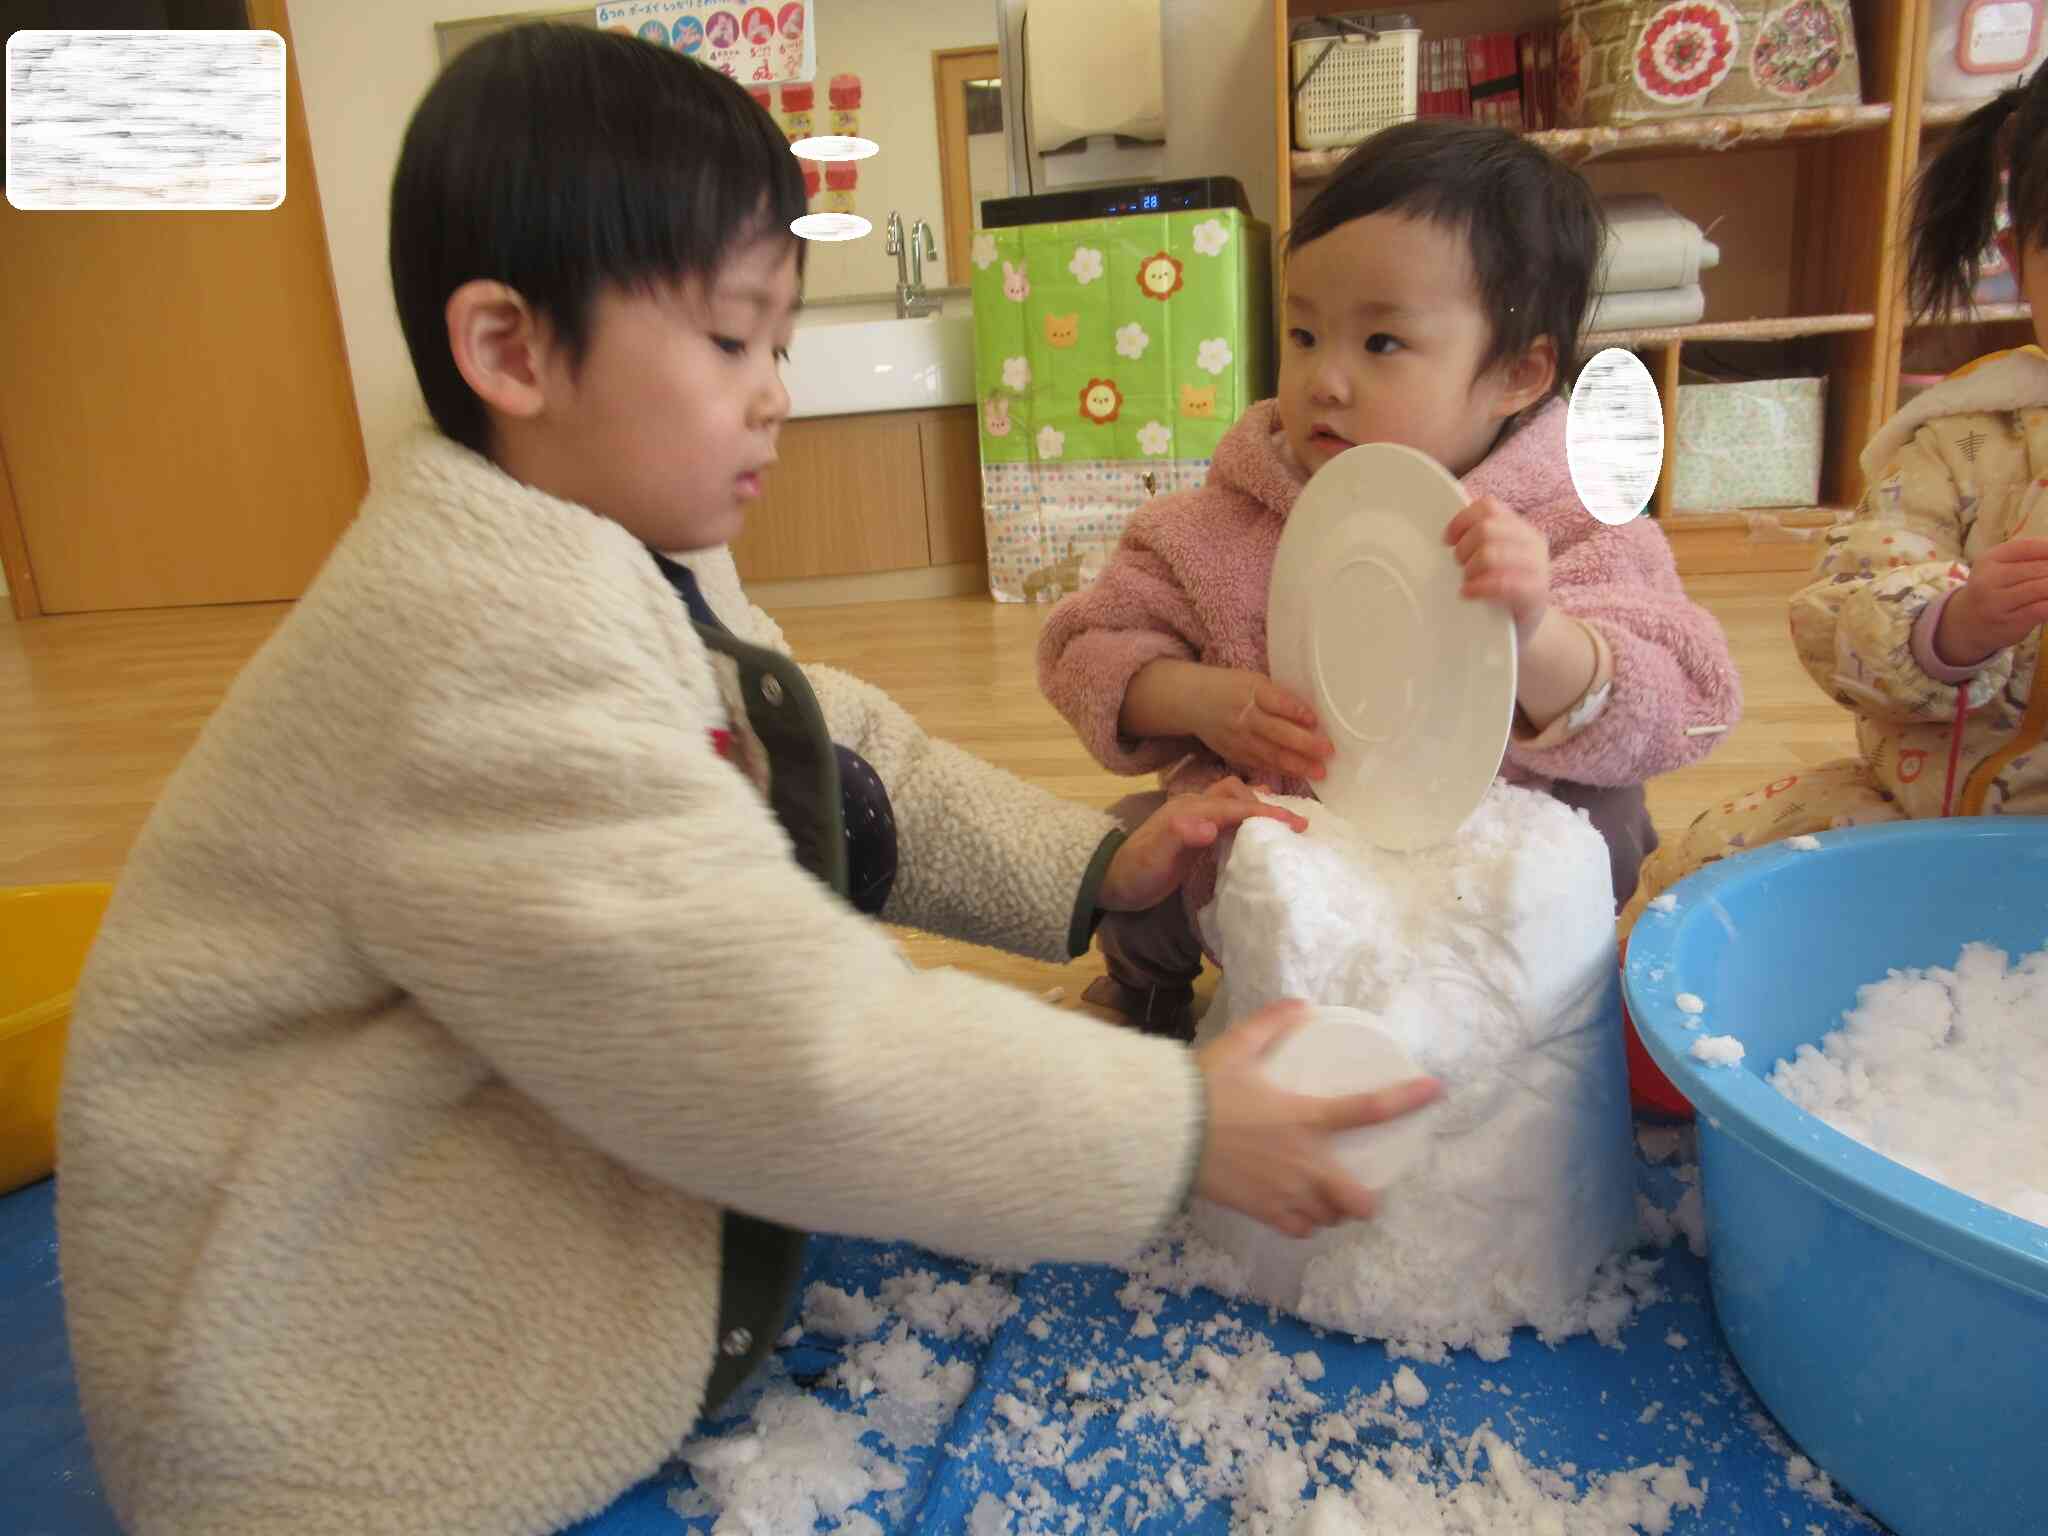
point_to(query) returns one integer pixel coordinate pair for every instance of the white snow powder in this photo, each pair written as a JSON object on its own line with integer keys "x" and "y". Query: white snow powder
{"x": 1718, "y": 1050}
{"x": 1491, "y": 962}
{"x": 1409, "y": 1391}
{"x": 839, "y": 1314}
{"x": 1689, "y": 1002}
{"x": 1943, "y": 1071}
{"x": 1804, "y": 843}
{"x": 1665, "y": 903}
{"x": 1234, "y": 1423}
{"x": 1677, "y": 1340}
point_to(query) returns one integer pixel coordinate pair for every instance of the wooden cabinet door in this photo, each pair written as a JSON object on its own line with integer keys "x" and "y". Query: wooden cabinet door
{"x": 952, "y": 486}
{"x": 175, "y": 403}
{"x": 846, "y": 499}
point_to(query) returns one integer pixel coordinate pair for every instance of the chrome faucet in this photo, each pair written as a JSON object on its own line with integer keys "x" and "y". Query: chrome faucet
{"x": 911, "y": 255}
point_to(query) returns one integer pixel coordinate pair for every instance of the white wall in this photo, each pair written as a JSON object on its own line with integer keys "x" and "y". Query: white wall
{"x": 364, "y": 64}
{"x": 1217, "y": 58}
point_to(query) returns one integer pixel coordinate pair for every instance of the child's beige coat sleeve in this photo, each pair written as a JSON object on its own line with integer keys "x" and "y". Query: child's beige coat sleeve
{"x": 559, "y": 866}
{"x": 1878, "y": 574}
{"x": 981, "y": 855}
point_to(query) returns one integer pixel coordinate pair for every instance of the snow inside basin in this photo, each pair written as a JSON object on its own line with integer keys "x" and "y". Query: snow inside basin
{"x": 1897, "y": 1328}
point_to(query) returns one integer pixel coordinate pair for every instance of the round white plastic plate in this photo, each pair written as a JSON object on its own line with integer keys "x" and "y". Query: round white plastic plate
{"x": 1339, "y": 1051}
{"x": 1414, "y": 685}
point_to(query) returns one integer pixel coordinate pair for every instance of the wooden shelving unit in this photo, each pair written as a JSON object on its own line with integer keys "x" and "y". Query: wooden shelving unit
{"x": 1692, "y": 135}
{"x": 1789, "y": 328}
{"x": 1847, "y": 306}
{"x": 1984, "y": 314}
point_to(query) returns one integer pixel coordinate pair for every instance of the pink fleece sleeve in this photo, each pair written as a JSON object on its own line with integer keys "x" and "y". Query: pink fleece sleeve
{"x": 1672, "y": 666}
{"x": 1097, "y": 640}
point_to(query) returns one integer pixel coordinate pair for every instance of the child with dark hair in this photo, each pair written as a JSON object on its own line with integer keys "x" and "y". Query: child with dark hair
{"x": 485, "y": 1011}
{"x": 1435, "y": 290}
{"x": 1924, "y": 618}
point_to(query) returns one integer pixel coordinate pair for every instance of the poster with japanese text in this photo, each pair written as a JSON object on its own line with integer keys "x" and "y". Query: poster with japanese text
{"x": 757, "y": 42}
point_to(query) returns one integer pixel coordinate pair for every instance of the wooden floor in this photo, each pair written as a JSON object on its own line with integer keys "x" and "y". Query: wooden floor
{"x": 96, "y": 711}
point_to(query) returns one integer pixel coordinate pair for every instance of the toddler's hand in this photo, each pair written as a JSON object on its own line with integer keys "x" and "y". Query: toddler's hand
{"x": 1506, "y": 561}
{"x": 1267, "y": 1152}
{"x": 1252, "y": 722}
{"x": 2004, "y": 601}
{"x": 1155, "y": 860}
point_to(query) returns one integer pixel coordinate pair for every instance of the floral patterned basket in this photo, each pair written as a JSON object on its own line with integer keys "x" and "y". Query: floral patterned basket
{"x": 1636, "y": 61}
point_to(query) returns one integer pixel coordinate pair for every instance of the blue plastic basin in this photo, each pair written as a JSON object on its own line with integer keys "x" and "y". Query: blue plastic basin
{"x": 1897, "y": 1329}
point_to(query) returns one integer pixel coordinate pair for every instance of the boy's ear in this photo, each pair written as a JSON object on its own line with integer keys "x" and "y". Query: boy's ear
{"x": 1529, "y": 378}
{"x": 500, "y": 347}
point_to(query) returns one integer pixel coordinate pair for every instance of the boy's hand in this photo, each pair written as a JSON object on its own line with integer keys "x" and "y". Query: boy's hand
{"x": 1250, "y": 721}
{"x": 1155, "y": 859}
{"x": 2004, "y": 601}
{"x": 1506, "y": 561}
{"x": 1267, "y": 1152}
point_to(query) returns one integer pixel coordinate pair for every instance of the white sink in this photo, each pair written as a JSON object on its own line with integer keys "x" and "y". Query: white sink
{"x": 881, "y": 365}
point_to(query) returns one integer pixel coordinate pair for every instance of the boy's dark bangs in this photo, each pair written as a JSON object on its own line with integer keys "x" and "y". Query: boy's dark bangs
{"x": 562, "y": 160}
{"x": 645, "y": 168}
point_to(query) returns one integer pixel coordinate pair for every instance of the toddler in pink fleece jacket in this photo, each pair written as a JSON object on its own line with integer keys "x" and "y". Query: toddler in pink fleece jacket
{"x": 1434, "y": 293}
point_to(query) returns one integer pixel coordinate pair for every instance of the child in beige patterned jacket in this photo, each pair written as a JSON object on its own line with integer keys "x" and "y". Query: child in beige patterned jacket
{"x": 1925, "y": 614}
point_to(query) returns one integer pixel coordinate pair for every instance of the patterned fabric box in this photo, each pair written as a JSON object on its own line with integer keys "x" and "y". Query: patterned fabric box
{"x": 1111, "y": 355}
{"x": 1634, "y": 61}
{"x": 1742, "y": 446}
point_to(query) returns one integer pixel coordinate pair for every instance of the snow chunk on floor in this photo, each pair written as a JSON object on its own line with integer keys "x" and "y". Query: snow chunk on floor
{"x": 1409, "y": 1391}
{"x": 801, "y": 1461}
{"x": 833, "y": 1313}
{"x": 950, "y": 1309}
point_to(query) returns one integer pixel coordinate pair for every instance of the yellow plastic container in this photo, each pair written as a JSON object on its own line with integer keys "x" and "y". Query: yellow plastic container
{"x": 45, "y": 931}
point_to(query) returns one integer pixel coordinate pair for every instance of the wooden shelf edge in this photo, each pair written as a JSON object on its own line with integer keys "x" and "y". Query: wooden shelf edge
{"x": 1746, "y": 521}
{"x": 1727, "y": 543}
{"x": 1786, "y": 328}
{"x": 1946, "y": 114}
{"x": 1987, "y": 314}
{"x": 1679, "y": 136}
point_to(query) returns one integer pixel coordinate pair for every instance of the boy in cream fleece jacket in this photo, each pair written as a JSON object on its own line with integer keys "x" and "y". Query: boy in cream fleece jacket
{"x": 485, "y": 1011}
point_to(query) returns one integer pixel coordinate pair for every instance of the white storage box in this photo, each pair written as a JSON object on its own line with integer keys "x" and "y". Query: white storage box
{"x": 1348, "y": 87}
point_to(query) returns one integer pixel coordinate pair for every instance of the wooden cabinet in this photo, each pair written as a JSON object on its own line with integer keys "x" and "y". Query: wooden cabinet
{"x": 861, "y": 495}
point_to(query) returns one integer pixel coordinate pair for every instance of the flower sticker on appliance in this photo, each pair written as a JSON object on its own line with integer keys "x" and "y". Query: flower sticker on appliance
{"x": 1016, "y": 374}
{"x": 1155, "y": 437}
{"x": 1159, "y": 277}
{"x": 1051, "y": 442}
{"x": 1214, "y": 355}
{"x": 1799, "y": 50}
{"x": 984, "y": 251}
{"x": 1086, "y": 265}
{"x": 1131, "y": 341}
{"x": 1686, "y": 50}
{"x": 1101, "y": 401}
{"x": 1211, "y": 235}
